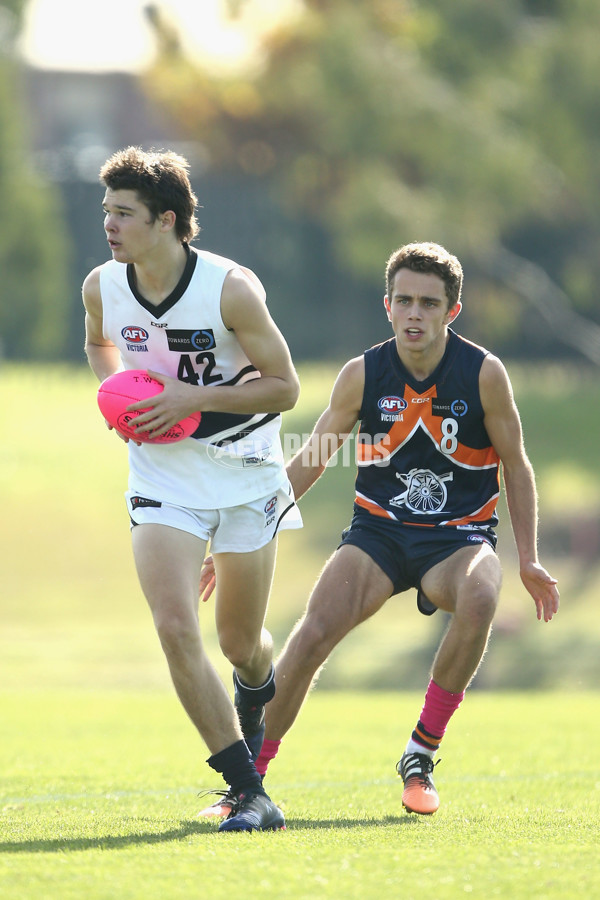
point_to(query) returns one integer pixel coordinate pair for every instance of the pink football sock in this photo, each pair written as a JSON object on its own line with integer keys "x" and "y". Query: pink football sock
{"x": 268, "y": 752}
{"x": 437, "y": 711}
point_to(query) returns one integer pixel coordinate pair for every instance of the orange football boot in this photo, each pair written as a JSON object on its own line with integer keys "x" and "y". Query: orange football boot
{"x": 419, "y": 795}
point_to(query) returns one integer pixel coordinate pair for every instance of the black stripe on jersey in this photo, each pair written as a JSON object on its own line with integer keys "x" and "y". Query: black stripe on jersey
{"x": 216, "y": 422}
{"x": 245, "y": 371}
{"x": 231, "y": 438}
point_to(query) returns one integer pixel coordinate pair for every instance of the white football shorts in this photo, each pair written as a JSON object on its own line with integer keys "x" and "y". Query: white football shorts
{"x": 233, "y": 529}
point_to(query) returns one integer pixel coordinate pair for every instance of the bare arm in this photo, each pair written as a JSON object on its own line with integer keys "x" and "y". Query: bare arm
{"x": 332, "y": 428}
{"x": 103, "y": 356}
{"x": 275, "y": 388}
{"x": 244, "y": 312}
{"x": 503, "y": 425}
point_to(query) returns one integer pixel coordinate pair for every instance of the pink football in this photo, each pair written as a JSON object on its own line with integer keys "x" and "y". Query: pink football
{"x": 118, "y": 391}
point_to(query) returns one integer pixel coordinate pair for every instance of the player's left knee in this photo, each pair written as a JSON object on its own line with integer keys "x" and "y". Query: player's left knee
{"x": 478, "y": 605}
{"x": 239, "y": 650}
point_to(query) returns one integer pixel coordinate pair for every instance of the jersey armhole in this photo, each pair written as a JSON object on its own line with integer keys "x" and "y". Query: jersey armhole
{"x": 361, "y": 411}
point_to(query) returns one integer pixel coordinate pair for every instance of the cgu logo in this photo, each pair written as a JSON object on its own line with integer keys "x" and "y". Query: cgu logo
{"x": 134, "y": 334}
{"x": 392, "y": 404}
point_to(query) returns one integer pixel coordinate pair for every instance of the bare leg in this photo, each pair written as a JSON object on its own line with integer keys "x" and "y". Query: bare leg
{"x": 467, "y": 584}
{"x": 243, "y": 588}
{"x": 168, "y": 563}
{"x": 350, "y": 589}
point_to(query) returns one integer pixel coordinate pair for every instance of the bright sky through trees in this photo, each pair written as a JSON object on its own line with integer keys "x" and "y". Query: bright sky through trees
{"x": 95, "y": 36}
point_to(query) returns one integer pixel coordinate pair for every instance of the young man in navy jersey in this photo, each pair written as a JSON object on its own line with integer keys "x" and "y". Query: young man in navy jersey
{"x": 437, "y": 420}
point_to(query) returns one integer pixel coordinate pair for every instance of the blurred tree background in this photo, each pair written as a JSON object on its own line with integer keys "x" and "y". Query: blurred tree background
{"x": 34, "y": 253}
{"x": 366, "y": 125}
{"x": 346, "y": 130}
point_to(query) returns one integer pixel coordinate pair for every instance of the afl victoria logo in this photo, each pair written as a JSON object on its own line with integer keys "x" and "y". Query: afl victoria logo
{"x": 134, "y": 334}
{"x": 392, "y": 404}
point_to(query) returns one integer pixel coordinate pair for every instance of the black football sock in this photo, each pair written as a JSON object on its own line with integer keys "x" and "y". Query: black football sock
{"x": 260, "y": 695}
{"x": 235, "y": 764}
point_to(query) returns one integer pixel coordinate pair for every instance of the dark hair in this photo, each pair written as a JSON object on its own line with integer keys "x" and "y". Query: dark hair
{"x": 161, "y": 182}
{"x": 431, "y": 259}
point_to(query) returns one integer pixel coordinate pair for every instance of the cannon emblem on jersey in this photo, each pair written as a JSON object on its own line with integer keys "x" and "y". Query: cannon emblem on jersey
{"x": 425, "y": 491}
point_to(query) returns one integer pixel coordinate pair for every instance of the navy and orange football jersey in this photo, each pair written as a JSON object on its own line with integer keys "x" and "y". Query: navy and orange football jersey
{"x": 424, "y": 456}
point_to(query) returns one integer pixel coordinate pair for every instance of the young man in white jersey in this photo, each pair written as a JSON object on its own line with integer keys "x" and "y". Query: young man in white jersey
{"x": 200, "y": 325}
{"x": 437, "y": 419}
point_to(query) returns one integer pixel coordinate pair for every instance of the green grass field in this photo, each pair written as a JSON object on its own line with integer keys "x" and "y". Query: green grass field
{"x": 101, "y": 770}
{"x": 100, "y": 795}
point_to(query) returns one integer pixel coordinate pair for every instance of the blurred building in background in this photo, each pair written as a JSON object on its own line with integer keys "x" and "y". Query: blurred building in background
{"x": 77, "y": 119}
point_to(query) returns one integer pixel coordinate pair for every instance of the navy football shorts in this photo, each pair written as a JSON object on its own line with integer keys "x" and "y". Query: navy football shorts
{"x": 406, "y": 552}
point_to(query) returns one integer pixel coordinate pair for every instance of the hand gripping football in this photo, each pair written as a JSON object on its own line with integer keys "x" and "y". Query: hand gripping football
{"x": 120, "y": 390}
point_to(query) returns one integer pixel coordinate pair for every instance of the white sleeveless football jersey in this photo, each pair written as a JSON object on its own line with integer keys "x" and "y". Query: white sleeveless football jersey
{"x": 231, "y": 459}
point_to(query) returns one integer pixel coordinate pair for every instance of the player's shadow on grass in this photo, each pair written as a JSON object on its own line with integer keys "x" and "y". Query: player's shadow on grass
{"x": 106, "y": 842}
{"x": 116, "y": 842}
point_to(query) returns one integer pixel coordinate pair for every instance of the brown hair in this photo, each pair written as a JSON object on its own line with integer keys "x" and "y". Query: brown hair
{"x": 161, "y": 182}
{"x": 431, "y": 259}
